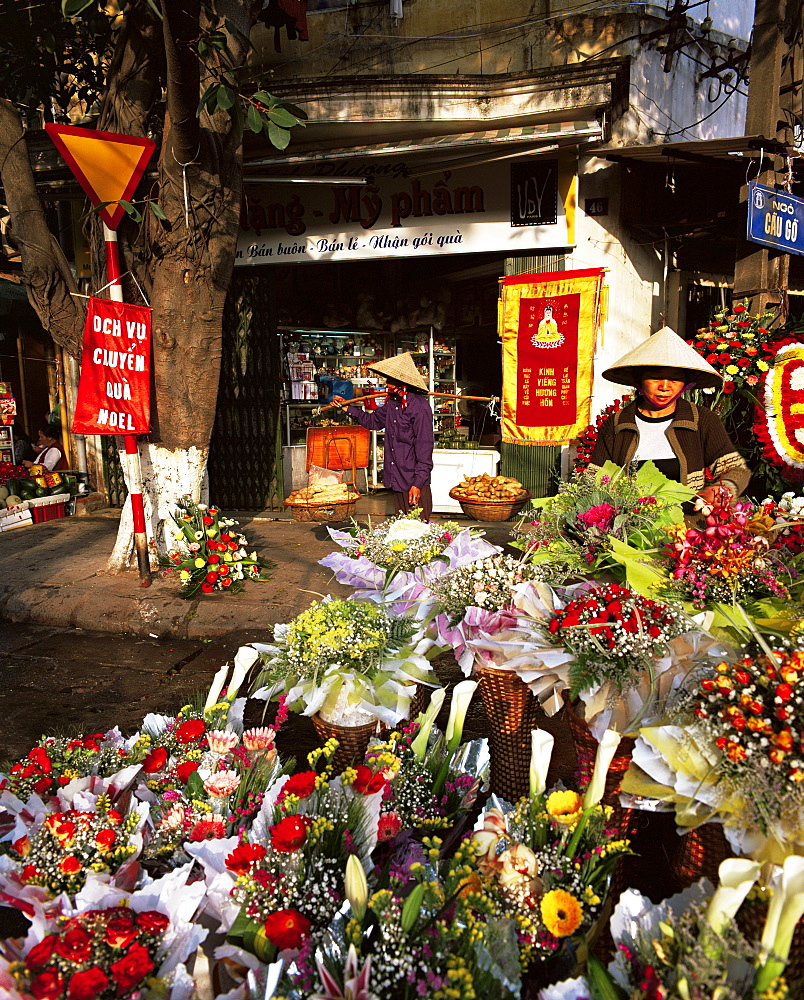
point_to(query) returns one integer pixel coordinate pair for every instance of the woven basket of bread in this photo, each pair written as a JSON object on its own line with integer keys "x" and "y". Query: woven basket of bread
{"x": 323, "y": 503}
{"x": 490, "y": 498}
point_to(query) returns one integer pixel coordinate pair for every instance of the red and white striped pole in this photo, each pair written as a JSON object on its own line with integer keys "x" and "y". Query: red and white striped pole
{"x": 129, "y": 440}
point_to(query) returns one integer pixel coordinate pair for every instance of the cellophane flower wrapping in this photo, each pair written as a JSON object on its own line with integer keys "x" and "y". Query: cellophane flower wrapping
{"x": 397, "y": 561}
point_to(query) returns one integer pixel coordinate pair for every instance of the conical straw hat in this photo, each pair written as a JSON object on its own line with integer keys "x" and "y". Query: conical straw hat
{"x": 400, "y": 368}
{"x": 665, "y": 349}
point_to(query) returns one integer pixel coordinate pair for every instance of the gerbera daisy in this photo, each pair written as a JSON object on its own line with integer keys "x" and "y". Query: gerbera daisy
{"x": 561, "y": 912}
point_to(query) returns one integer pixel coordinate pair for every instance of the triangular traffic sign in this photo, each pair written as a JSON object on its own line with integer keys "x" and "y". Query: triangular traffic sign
{"x": 108, "y": 166}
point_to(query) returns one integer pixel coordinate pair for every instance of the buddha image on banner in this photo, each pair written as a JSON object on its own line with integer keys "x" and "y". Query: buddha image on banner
{"x": 550, "y": 324}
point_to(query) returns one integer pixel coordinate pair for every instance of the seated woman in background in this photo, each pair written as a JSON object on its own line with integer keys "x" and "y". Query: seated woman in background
{"x": 679, "y": 437}
{"x": 49, "y": 451}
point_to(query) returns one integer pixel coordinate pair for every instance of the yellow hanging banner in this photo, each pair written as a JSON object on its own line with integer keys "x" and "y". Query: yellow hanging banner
{"x": 549, "y": 325}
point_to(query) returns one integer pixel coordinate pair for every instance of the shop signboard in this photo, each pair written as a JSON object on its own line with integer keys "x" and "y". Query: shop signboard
{"x": 114, "y": 390}
{"x": 512, "y": 206}
{"x": 548, "y": 328}
{"x": 775, "y": 218}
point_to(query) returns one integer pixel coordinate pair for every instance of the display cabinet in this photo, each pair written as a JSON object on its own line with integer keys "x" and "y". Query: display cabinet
{"x": 6, "y": 444}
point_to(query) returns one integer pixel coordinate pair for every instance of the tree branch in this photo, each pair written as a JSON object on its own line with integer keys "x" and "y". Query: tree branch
{"x": 48, "y": 277}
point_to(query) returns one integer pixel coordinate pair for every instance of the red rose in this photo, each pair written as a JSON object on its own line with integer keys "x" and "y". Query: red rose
{"x": 214, "y": 559}
{"x": 39, "y": 956}
{"x": 301, "y": 785}
{"x": 88, "y": 984}
{"x": 185, "y": 769}
{"x": 366, "y": 781}
{"x": 48, "y": 985}
{"x": 244, "y": 857}
{"x": 289, "y": 833}
{"x": 207, "y": 588}
{"x": 70, "y": 865}
{"x": 155, "y": 761}
{"x": 120, "y": 932}
{"x": 105, "y": 839}
{"x": 728, "y": 387}
{"x": 29, "y": 872}
{"x": 286, "y": 928}
{"x": 130, "y": 970}
{"x": 738, "y": 309}
{"x": 153, "y": 922}
{"x": 74, "y": 944}
{"x": 190, "y": 731}
{"x": 42, "y": 785}
{"x": 212, "y": 577}
{"x": 208, "y": 521}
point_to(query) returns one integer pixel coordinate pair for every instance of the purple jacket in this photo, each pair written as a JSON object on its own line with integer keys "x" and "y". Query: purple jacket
{"x": 408, "y": 440}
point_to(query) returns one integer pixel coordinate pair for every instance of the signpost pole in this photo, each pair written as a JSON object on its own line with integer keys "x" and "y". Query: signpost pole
{"x": 129, "y": 440}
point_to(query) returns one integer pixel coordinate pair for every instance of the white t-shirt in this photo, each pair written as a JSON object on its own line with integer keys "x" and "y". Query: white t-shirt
{"x": 653, "y": 444}
{"x": 49, "y": 457}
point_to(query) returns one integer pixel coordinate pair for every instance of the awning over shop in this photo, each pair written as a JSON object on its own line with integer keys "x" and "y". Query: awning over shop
{"x": 729, "y": 149}
{"x": 534, "y": 136}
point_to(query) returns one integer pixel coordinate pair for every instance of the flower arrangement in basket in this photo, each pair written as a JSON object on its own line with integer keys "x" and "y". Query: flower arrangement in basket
{"x": 212, "y": 555}
{"x": 595, "y": 511}
{"x": 401, "y": 543}
{"x": 348, "y": 661}
{"x": 730, "y": 749}
{"x": 625, "y": 658}
{"x": 547, "y": 861}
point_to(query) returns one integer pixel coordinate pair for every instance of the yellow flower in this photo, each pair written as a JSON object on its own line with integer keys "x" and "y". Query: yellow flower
{"x": 565, "y": 807}
{"x": 199, "y": 563}
{"x": 184, "y": 574}
{"x": 561, "y": 912}
{"x": 762, "y": 365}
{"x": 732, "y": 369}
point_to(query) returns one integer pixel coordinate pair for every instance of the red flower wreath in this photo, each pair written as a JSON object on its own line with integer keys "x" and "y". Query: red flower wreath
{"x": 769, "y": 417}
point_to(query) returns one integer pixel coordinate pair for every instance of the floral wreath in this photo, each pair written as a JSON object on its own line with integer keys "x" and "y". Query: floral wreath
{"x": 773, "y": 424}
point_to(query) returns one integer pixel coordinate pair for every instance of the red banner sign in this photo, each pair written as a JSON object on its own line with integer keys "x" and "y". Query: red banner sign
{"x": 547, "y": 349}
{"x": 114, "y": 391}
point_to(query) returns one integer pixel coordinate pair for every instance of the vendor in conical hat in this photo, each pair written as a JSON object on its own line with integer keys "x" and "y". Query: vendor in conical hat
{"x": 407, "y": 421}
{"x": 679, "y": 437}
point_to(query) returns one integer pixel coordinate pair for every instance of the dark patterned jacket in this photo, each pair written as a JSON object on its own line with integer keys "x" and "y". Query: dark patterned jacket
{"x": 697, "y": 437}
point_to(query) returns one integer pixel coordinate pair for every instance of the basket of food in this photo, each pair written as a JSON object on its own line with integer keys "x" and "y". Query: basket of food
{"x": 335, "y": 502}
{"x": 490, "y": 498}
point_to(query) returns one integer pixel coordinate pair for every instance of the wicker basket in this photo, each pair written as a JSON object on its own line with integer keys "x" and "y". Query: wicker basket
{"x": 586, "y": 752}
{"x": 699, "y": 854}
{"x": 513, "y": 713}
{"x": 353, "y": 741}
{"x": 324, "y": 511}
{"x": 491, "y": 510}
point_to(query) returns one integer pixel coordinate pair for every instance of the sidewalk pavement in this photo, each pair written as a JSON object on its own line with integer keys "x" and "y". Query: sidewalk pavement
{"x": 53, "y": 573}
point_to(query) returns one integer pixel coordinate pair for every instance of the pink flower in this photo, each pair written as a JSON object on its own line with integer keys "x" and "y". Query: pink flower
{"x": 258, "y": 739}
{"x": 222, "y": 740}
{"x": 221, "y": 784}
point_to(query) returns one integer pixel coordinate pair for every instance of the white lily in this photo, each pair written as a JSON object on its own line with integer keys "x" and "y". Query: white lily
{"x": 541, "y": 750}
{"x": 784, "y": 912}
{"x": 606, "y": 749}
{"x": 356, "y": 886}
{"x": 461, "y": 696}
{"x": 426, "y": 721}
{"x": 216, "y": 687}
{"x": 244, "y": 660}
{"x": 736, "y": 876}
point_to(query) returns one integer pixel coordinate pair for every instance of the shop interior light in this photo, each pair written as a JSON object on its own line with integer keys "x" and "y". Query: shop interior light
{"x": 332, "y": 334}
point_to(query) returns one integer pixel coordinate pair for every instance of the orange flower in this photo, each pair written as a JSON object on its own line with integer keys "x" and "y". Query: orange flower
{"x": 70, "y": 865}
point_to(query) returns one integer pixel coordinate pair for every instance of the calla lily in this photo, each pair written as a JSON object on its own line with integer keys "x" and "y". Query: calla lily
{"x": 356, "y": 886}
{"x": 541, "y": 750}
{"x": 461, "y": 696}
{"x": 605, "y": 755}
{"x": 736, "y": 876}
{"x": 426, "y": 720}
{"x": 784, "y": 912}
{"x": 216, "y": 687}
{"x": 244, "y": 660}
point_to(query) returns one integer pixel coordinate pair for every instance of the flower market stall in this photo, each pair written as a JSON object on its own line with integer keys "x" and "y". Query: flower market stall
{"x": 413, "y": 854}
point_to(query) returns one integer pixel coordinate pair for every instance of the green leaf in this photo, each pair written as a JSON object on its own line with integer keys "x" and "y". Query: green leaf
{"x": 255, "y": 119}
{"x": 156, "y": 208}
{"x": 281, "y": 117}
{"x": 72, "y": 8}
{"x": 207, "y": 98}
{"x": 263, "y": 97}
{"x": 279, "y": 137}
{"x": 226, "y": 97}
{"x": 296, "y": 112}
{"x": 130, "y": 210}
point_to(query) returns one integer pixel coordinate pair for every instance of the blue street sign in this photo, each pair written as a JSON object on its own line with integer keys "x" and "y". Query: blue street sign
{"x": 775, "y": 218}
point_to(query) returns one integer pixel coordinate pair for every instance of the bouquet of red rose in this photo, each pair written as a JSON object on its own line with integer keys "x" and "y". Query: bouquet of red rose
{"x": 212, "y": 554}
{"x": 105, "y": 954}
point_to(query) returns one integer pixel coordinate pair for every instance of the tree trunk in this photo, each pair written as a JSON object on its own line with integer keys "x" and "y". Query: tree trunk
{"x": 167, "y": 475}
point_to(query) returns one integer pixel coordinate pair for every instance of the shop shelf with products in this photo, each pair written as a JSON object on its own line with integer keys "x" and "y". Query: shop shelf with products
{"x": 434, "y": 354}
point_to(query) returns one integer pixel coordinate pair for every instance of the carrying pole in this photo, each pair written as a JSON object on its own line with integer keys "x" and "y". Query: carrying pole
{"x": 132, "y": 451}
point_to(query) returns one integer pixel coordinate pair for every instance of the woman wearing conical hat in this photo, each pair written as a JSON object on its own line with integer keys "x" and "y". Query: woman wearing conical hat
{"x": 407, "y": 421}
{"x": 680, "y": 438}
